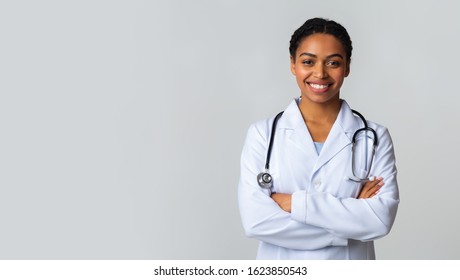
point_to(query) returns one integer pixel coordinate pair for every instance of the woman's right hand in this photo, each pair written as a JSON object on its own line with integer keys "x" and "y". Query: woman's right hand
{"x": 371, "y": 188}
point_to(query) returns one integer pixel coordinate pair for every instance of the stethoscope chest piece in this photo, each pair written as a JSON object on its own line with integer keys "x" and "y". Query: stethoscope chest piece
{"x": 265, "y": 180}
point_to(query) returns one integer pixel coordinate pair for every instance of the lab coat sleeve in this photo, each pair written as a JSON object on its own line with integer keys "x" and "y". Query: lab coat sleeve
{"x": 359, "y": 219}
{"x": 262, "y": 218}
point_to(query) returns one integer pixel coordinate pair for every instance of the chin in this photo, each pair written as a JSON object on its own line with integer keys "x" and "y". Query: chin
{"x": 321, "y": 99}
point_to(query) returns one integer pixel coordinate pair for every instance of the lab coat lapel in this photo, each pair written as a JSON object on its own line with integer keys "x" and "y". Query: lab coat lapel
{"x": 299, "y": 141}
{"x": 339, "y": 137}
{"x": 301, "y": 138}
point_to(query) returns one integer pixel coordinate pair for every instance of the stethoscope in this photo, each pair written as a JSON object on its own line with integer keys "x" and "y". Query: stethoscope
{"x": 265, "y": 180}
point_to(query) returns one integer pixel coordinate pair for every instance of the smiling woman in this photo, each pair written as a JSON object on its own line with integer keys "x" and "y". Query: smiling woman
{"x": 320, "y": 67}
{"x": 314, "y": 206}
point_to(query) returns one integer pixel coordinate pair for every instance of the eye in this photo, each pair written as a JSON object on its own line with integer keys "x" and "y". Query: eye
{"x": 333, "y": 63}
{"x": 307, "y": 62}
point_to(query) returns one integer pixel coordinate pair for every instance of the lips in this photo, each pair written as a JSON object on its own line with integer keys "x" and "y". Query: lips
{"x": 319, "y": 87}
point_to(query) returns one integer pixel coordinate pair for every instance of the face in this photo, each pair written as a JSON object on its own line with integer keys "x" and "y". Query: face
{"x": 320, "y": 66}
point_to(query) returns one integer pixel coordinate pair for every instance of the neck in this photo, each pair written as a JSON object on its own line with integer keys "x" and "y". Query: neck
{"x": 320, "y": 112}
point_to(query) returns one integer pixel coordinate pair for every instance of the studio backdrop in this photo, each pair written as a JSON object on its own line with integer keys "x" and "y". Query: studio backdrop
{"x": 122, "y": 122}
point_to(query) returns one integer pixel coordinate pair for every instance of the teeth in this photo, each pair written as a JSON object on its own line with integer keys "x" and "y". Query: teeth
{"x": 318, "y": 86}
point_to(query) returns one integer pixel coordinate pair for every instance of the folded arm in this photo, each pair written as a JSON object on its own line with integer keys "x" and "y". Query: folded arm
{"x": 262, "y": 218}
{"x": 360, "y": 219}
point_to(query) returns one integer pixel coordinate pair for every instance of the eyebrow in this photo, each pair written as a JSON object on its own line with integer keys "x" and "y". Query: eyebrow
{"x": 315, "y": 56}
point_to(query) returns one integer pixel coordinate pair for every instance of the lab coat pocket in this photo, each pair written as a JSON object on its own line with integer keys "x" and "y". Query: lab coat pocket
{"x": 361, "y": 173}
{"x": 349, "y": 188}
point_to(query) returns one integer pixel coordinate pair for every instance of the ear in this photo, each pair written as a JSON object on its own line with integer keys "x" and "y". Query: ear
{"x": 347, "y": 70}
{"x": 292, "y": 66}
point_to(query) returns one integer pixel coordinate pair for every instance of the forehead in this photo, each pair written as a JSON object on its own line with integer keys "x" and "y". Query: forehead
{"x": 321, "y": 45}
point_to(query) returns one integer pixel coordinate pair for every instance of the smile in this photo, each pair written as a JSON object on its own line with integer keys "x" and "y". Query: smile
{"x": 317, "y": 86}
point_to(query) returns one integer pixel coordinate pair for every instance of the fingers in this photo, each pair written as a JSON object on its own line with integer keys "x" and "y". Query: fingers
{"x": 283, "y": 200}
{"x": 375, "y": 188}
{"x": 371, "y": 188}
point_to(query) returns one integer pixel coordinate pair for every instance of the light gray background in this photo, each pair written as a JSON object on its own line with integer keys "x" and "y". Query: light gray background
{"x": 122, "y": 122}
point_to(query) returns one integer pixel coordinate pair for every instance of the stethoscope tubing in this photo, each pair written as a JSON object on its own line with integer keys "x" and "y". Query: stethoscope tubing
{"x": 265, "y": 180}
{"x": 272, "y": 138}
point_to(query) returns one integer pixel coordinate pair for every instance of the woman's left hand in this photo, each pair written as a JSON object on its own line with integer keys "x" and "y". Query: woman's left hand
{"x": 283, "y": 200}
{"x": 371, "y": 188}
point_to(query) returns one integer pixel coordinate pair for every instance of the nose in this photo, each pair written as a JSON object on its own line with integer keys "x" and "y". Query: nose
{"x": 320, "y": 71}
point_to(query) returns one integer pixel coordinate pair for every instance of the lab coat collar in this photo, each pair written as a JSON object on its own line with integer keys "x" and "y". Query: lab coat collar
{"x": 339, "y": 137}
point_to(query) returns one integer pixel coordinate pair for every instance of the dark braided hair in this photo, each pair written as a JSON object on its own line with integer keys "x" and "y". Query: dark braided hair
{"x": 320, "y": 25}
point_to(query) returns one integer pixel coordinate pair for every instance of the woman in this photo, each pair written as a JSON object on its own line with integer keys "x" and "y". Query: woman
{"x": 316, "y": 207}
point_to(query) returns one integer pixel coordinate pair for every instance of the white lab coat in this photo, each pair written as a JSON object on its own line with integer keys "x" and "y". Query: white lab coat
{"x": 326, "y": 221}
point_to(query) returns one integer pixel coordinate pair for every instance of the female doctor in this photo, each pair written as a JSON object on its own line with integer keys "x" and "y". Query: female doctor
{"x": 322, "y": 200}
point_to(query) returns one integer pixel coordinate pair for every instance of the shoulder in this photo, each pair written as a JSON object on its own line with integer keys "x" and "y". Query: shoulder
{"x": 257, "y": 141}
{"x": 379, "y": 128}
{"x": 260, "y": 130}
{"x": 288, "y": 118}
{"x": 347, "y": 112}
{"x": 385, "y": 141}
{"x": 381, "y": 131}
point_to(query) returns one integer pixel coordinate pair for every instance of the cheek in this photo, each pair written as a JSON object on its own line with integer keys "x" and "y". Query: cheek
{"x": 300, "y": 80}
{"x": 301, "y": 74}
{"x": 339, "y": 76}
